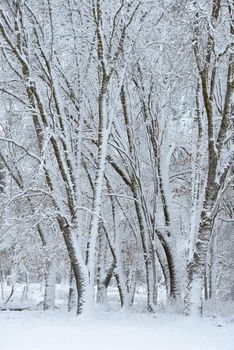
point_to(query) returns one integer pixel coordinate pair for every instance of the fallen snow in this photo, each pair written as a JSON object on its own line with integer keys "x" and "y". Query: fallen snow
{"x": 36, "y": 330}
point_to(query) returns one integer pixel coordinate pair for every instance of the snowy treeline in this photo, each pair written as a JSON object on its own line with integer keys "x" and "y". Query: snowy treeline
{"x": 117, "y": 149}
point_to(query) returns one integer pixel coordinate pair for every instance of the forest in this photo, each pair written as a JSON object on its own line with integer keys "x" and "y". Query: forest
{"x": 117, "y": 156}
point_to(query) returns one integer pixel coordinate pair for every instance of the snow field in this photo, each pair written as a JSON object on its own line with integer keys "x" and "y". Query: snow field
{"x": 35, "y": 330}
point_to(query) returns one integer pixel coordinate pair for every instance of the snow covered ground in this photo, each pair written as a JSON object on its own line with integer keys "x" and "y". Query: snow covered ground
{"x": 37, "y": 330}
{"x": 110, "y": 329}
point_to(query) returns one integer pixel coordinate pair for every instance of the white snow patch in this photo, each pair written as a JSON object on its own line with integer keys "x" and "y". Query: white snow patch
{"x": 30, "y": 330}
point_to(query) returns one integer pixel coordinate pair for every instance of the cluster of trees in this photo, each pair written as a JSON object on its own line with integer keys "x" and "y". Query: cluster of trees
{"x": 117, "y": 147}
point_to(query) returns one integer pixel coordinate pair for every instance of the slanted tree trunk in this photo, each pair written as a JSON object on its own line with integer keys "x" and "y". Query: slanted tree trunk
{"x": 103, "y": 285}
{"x": 72, "y": 294}
{"x": 77, "y": 263}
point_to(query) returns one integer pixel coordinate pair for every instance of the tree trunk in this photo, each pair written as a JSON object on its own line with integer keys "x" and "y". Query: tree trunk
{"x": 197, "y": 268}
{"x": 72, "y": 295}
{"x": 50, "y": 281}
{"x": 78, "y": 266}
{"x": 2, "y": 281}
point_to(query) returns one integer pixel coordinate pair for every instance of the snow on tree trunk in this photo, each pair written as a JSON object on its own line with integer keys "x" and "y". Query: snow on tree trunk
{"x": 197, "y": 268}
{"x": 50, "y": 283}
{"x": 72, "y": 294}
{"x": 2, "y": 281}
